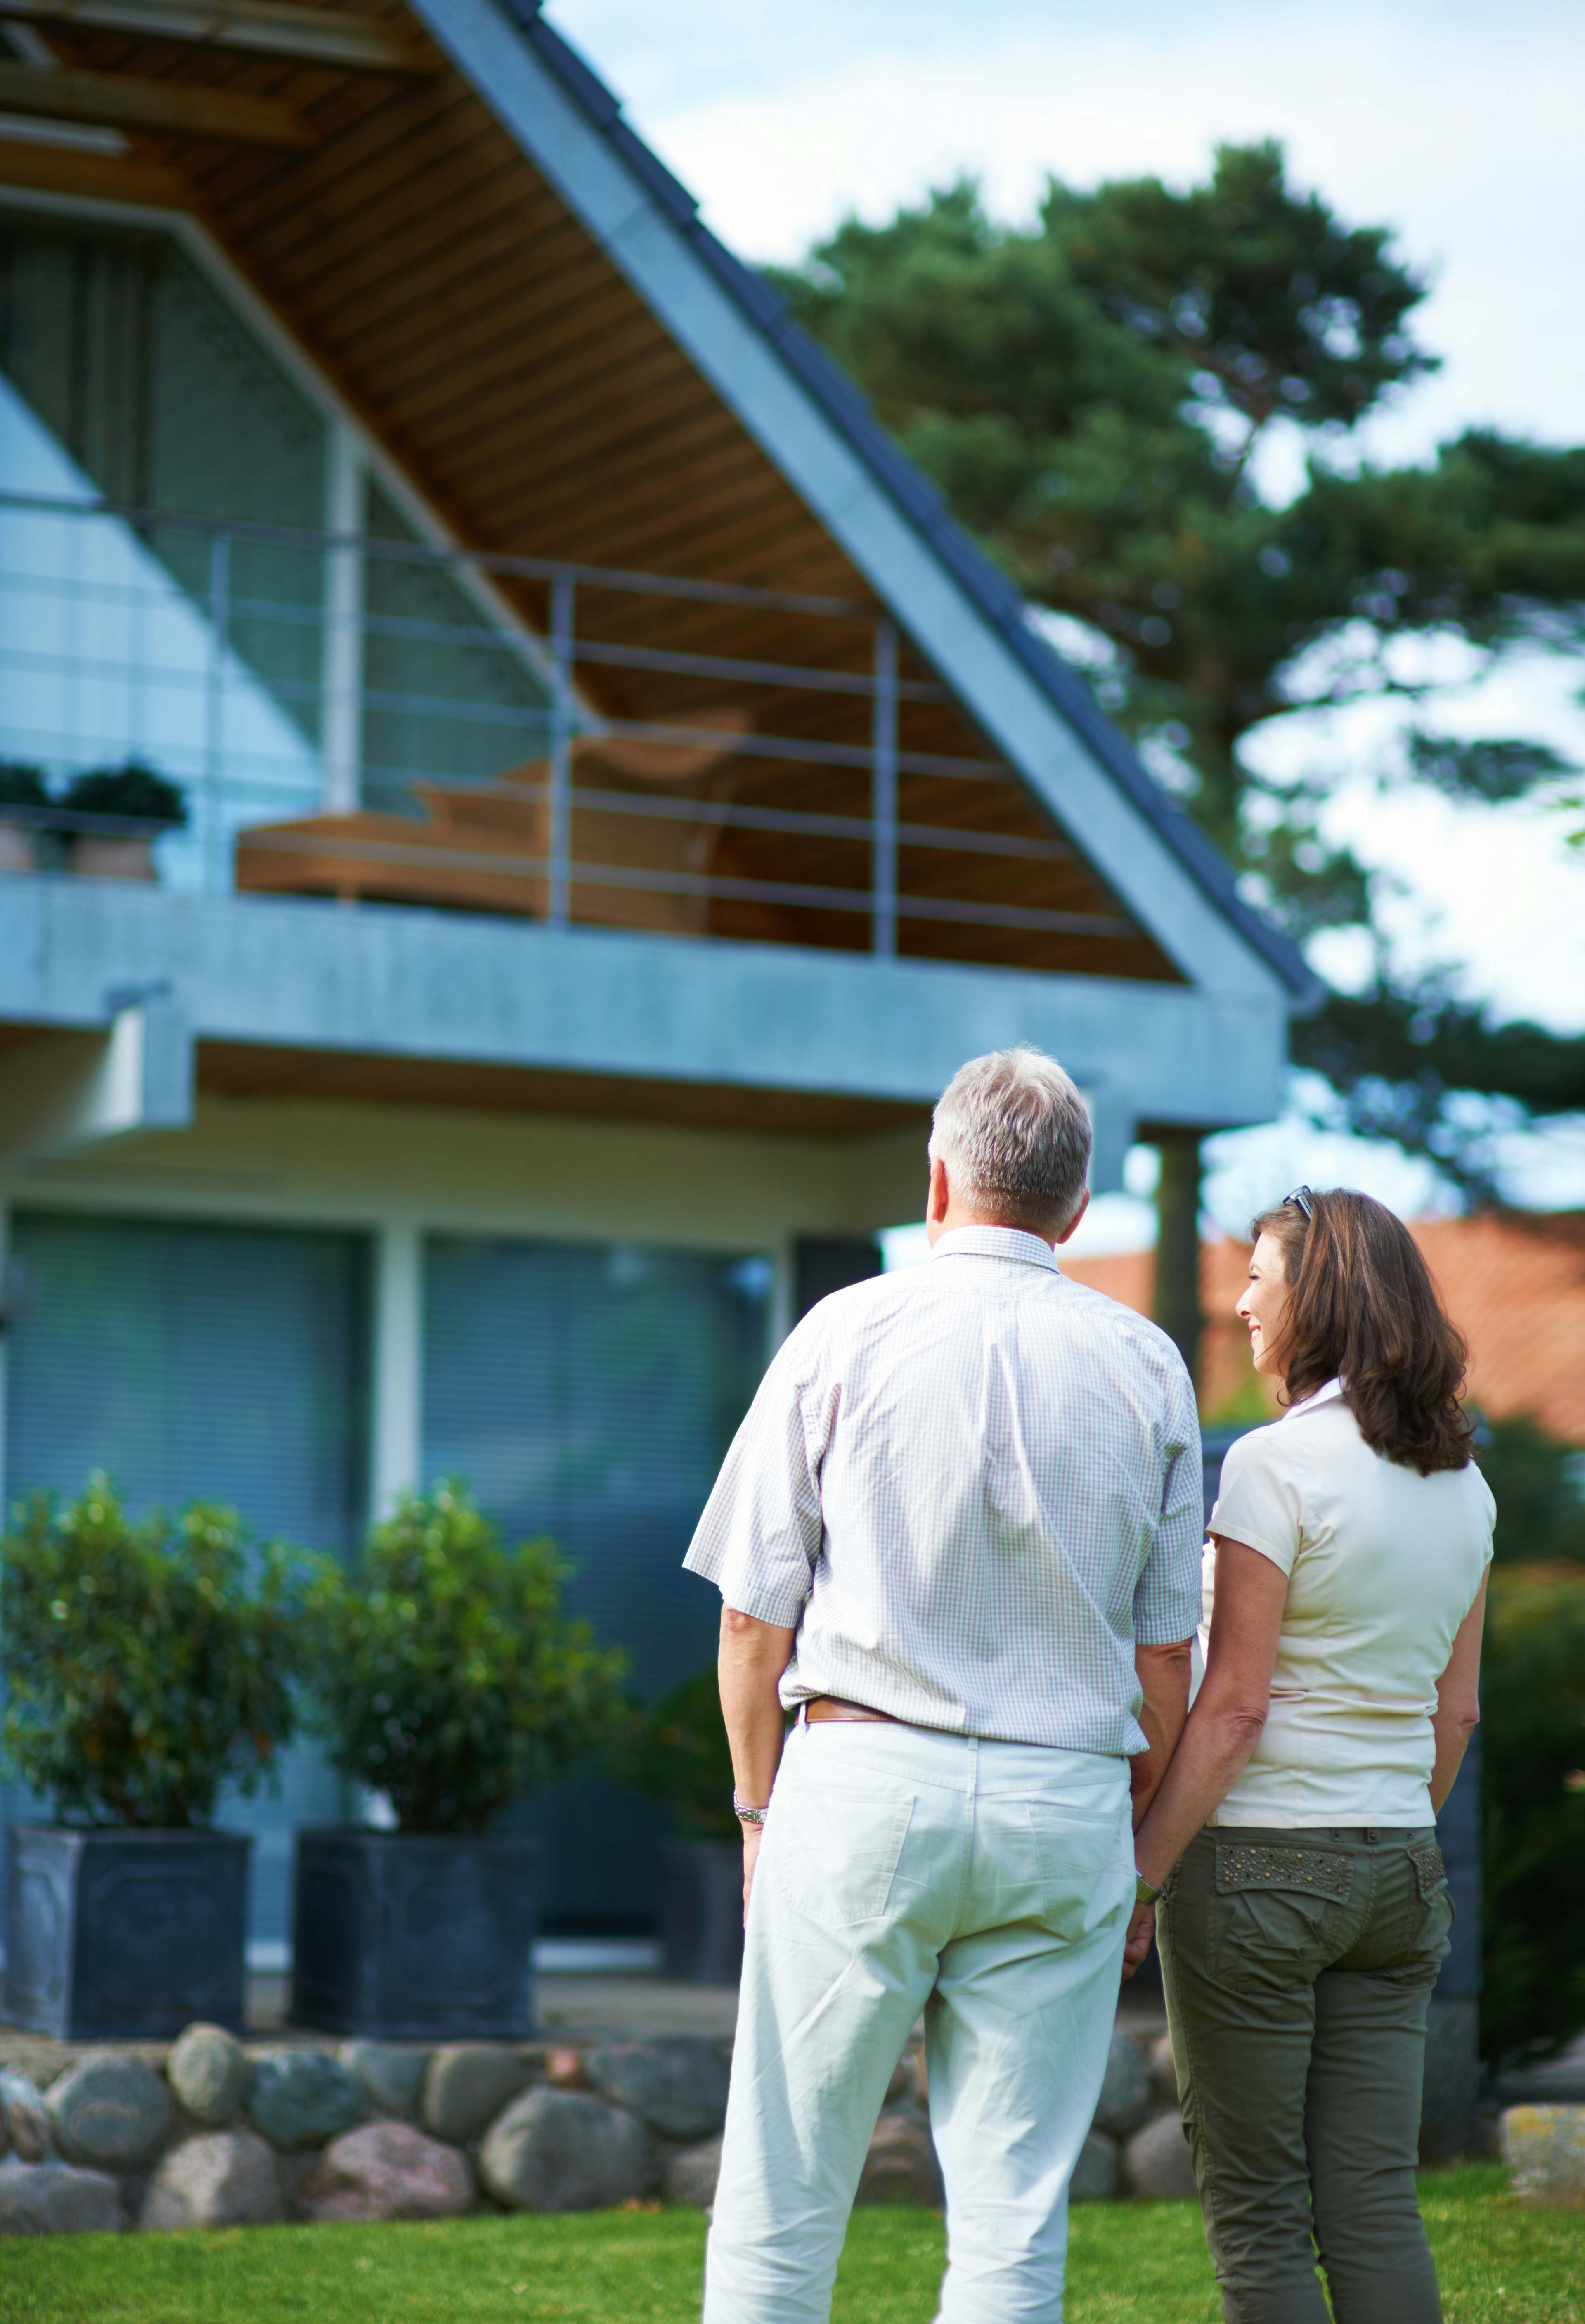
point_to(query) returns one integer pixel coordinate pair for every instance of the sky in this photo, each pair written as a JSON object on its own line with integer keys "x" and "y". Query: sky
{"x": 1454, "y": 121}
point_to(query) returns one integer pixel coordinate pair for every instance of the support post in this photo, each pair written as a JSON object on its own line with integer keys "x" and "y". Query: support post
{"x": 397, "y": 1384}
{"x": 341, "y": 668}
{"x": 883, "y": 791}
{"x": 212, "y": 849}
{"x": 558, "y": 896}
{"x": 1176, "y": 1304}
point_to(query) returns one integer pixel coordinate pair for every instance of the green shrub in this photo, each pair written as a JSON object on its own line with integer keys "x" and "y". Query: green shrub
{"x": 131, "y": 791}
{"x": 1533, "y": 1811}
{"x": 144, "y": 1665}
{"x": 1540, "y": 1506}
{"x": 444, "y": 1671}
{"x": 22, "y": 786}
{"x": 677, "y": 1753}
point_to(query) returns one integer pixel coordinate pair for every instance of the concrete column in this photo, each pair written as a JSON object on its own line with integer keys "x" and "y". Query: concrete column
{"x": 1177, "y": 1306}
{"x": 341, "y": 721}
{"x": 397, "y": 1382}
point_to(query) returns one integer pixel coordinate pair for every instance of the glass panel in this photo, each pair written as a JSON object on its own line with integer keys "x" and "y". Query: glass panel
{"x": 448, "y": 697}
{"x": 589, "y": 1393}
{"x": 217, "y": 1363}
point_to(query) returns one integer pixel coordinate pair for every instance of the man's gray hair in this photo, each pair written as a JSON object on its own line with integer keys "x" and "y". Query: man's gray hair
{"x": 1014, "y": 1134}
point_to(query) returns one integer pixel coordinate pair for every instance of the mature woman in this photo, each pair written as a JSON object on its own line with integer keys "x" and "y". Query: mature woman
{"x": 1303, "y": 1906}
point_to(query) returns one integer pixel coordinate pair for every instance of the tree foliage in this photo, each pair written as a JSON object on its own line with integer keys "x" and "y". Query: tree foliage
{"x": 144, "y": 1665}
{"x": 1093, "y": 394}
{"x": 445, "y": 1672}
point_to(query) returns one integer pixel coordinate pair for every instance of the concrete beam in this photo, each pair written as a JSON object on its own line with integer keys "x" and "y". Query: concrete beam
{"x": 60, "y": 1091}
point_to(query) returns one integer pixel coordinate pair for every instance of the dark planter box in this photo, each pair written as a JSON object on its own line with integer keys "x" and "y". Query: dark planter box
{"x": 413, "y": 1936}
{"x": 702, "y": 1910}
{"x": 124, "y": 1936}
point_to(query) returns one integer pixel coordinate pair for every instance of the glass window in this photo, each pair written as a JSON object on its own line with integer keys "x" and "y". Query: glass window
{"x": 589, "y": 1392}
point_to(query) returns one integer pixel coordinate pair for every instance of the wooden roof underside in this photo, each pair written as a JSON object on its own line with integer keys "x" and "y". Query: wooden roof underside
{"x": 488, "y": 343}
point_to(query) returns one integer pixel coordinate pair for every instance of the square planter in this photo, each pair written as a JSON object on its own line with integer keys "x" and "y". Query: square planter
{"x": 117, "y": 1935}
{"x": 702, "y": 1910}
{"x": 413, "y": 1936}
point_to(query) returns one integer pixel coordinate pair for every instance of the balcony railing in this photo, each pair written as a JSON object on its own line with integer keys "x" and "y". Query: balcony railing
{"x": 373, "y": 718}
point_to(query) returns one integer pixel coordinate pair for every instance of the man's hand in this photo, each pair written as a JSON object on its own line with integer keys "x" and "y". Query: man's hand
{"x": 753, "y": 1833}
{"x": 1137, "y": 1949}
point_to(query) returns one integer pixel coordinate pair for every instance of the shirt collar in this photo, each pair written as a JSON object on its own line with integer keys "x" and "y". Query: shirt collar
{"x": 1327, "y": 1394}
{"x": 996, "y": 1242}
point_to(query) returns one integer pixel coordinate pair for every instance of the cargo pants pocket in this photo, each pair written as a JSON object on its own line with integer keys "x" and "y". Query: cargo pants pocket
{"x": 1277, "y": 1916}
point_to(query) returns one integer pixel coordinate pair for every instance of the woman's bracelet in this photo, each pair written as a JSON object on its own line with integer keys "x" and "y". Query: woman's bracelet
{"x": 746, "y": 1814}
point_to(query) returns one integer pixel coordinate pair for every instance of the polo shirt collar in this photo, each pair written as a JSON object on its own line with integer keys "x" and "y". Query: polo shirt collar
{"x": 1327, "y": 1393}
{"x": 996, "y": 1242}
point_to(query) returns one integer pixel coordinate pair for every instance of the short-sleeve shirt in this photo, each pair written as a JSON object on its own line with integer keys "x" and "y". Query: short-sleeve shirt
{"x": 1383, "y": 1565}
{"x": 970, "y": 1487}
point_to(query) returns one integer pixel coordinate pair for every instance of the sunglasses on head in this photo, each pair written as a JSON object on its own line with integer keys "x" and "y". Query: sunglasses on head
{"x": 1302, "y": 1200}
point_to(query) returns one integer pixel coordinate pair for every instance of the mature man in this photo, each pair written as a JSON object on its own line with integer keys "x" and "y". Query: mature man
{"x": 959, "y": 1532}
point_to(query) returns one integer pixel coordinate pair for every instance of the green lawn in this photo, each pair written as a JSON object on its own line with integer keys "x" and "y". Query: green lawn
{"x": 1143, "y": 2264}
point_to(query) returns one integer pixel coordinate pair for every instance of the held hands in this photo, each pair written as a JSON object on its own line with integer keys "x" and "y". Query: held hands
{"x": 1136, "y": 1947}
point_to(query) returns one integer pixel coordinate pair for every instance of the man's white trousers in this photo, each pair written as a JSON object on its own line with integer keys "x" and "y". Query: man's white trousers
{"x": 902, "y": 1869}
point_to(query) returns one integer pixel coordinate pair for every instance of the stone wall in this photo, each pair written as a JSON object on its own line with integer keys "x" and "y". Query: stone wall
{"x": 211, "y": 2134}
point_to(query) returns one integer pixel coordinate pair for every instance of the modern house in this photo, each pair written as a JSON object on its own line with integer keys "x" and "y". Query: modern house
{"x": 617, "y": 799}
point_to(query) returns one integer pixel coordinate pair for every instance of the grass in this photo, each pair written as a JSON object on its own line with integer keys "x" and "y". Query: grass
{"x": 1130, "y": 2265}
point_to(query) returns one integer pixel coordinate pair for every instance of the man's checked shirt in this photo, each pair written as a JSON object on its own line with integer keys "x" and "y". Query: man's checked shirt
{"x": 972, "y": 1487}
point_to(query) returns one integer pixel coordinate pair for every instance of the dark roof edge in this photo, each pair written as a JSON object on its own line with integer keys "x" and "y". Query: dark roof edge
{"x": 996, "y": 597}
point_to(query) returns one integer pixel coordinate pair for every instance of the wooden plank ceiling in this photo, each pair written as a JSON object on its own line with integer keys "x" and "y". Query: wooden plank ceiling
{"x": 483, "y": 336}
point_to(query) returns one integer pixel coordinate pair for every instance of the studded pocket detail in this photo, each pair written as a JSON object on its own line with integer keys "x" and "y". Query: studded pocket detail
{"x": 1430, "y": 1871}
{"x": 1242, "y": 1865}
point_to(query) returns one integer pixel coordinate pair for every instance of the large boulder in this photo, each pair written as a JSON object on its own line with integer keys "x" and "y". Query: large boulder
{"x": 22, "y": 2111}
{"x": 465, "y": 2087}
{"x": 207, "y": 2071}
{"x": 1098, "y": 2174}
{"x": 223, "y": 2179}
{"x": 108, "y": 2112}
{"x": 677, "y": 2085}
{"x": 53, "y": 2198}
{"x": 1544, "y": 2148}
{"x": 390, "y": 2074}
{"x": 564, "y": 2151}
{"x": 301, "y": 2097}
{"x": 692, "y": 2174}
{"x": 1125, "y": 2102}
{"x": 900, "y": 2166}
{"x": 1157, "y": 2164}
{"x": 387, "y": 2171}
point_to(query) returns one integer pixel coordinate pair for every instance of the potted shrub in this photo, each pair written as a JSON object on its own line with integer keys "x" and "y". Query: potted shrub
{"x": 678, "y": 1754}
{"x": 134, "y": 796}
{"x": 144, "y": 1665}
{"x": 21, "y": 789}
{"x": 448, "y": 1679}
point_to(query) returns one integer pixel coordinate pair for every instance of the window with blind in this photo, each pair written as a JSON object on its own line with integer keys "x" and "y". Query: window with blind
{"x": 199, "y": 1362}
{"x": 589, "y": 1392}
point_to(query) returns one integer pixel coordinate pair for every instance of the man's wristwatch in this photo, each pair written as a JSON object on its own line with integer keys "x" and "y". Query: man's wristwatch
{"x": 1144, "y": 1893}
{"x": 746, "y": 1814}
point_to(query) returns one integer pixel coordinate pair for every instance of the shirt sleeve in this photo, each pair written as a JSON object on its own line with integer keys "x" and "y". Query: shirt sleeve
{"x": 1261, "y": 1503}
{"x": 758, "y": 1539}
{"x": 1166, "y": 1596}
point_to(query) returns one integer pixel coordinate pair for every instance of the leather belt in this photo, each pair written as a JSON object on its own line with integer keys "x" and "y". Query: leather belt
{"x": 830, "y": 1706}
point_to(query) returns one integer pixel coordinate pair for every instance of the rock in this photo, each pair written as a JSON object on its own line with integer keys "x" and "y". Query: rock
{"x": 465, "y": 2087}
{"x": 1098, "y": 2174}
{"x": 1163, "y": 2071}
{"x": 900, "y": 2166}
{"x": 301, "y": 2097}
{"x": 1156, "y": 2162}
{"x": 108, "y": 2112}
{"x": 678, "y": 2086}
{"x": 390, "y": 2077}
{"x": 1125, "y": 2101}
{"x": 691, "y": 2175}
{"x": 563, "y": 2151}
{"x": 225, "y": 2179}
{"x": 207, "y": 2071}
{"x": 387, "y": 2171}
{"x": 27, "y": 2126}
{"x": 1544, "y": 2148}
{"x": 53, "y": 2198}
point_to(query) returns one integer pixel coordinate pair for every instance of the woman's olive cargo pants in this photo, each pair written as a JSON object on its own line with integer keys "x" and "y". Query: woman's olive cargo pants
{"x": 1298, "y": 1966}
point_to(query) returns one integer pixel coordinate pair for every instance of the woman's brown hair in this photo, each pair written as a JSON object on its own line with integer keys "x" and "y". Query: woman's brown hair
{"x": 1362, "y": 1308}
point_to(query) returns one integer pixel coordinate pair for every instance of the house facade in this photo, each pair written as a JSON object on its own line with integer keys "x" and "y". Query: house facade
{"x": 615, "y": 797}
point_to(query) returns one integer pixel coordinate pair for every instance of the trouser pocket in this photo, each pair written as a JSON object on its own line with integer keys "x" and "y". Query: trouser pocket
{"x": 1276, "y": 1915}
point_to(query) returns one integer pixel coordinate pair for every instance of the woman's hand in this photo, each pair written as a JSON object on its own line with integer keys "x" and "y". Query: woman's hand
{"x": 1137, "y": 1949}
